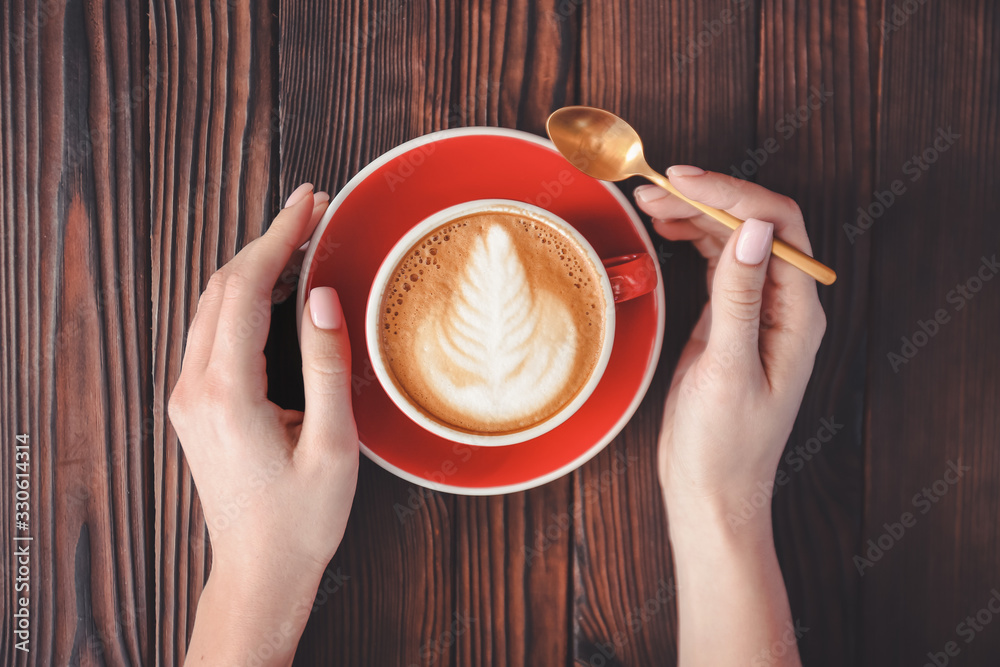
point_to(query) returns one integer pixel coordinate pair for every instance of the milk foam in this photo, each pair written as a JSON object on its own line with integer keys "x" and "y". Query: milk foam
{"x": 514, "y": 348}
{"x": 493, "y": 322}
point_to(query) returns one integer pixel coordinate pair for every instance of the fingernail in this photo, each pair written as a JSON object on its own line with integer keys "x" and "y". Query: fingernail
{"x": 648, "y": 193}
{"x": 320, "y": 197}
{"x": 324, "y": 306}
{"x": 684, "y": 170}
{"x": 754, "y": 242}
{"x": 304, "y": 246}
{"x": 298, "y": 193}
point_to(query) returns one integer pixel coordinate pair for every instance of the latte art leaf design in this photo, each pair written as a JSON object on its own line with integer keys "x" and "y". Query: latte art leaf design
{"x": 498, "y": 351}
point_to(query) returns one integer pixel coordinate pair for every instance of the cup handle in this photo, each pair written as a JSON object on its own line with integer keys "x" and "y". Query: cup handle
{"x": 631, "y": 275}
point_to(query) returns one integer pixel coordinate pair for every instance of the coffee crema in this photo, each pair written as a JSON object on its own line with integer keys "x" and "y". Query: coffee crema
{"x": 492, "y": 322}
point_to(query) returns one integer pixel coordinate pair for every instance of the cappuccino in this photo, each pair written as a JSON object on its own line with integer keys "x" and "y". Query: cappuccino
{"x": 493, "y": 322}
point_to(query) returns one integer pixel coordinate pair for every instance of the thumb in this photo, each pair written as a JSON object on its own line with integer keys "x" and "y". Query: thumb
{"x": 326, "y": 369}
{"x": 737, "y": 293}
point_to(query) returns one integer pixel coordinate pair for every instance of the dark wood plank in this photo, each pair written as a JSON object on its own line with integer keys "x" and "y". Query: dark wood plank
{"x": 512, "y": 577}
{"x": 940, "y": 79}
{"x": 692, "y": 100}
{"x": 213, "y": 127}
{"x": 815, "y": 144}
{"x": 75, "y": 285}
{"x": 358, "y": 78}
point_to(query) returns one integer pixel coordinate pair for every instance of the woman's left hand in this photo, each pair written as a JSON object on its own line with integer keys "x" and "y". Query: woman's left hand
{"x": 276, "y": 485}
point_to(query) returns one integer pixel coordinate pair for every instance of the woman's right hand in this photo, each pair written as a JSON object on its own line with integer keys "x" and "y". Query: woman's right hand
{"x": 740, "y": 379}
{"x": 734, "y": 397}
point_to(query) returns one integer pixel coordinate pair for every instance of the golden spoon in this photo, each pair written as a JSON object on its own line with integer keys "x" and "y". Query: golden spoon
{"x": 602, "y": 145}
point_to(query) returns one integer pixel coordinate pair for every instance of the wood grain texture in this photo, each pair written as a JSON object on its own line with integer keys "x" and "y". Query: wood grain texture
{"x": 213, "y": 131}
{"x": 815, "y": 141}
{"x": 75, "y": 281}
{"x": 358, "y": 78}
{"x": 142, "y": 145}
{"x": 691, "y": 96}
{"x": 936, "y": 407}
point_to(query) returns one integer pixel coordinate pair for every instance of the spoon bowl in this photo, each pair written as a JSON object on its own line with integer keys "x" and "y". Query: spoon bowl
{"x": 597, "y": 142}
{"x": 602, "y": 145}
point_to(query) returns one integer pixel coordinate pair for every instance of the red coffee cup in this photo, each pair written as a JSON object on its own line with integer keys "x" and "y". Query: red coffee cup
{"x": 622, "y": 278}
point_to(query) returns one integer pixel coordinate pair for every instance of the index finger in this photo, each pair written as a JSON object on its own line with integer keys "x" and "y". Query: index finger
{"x": 245, "y": 313}
{"x": 743, "y": 199}
{"x": 748, "y": 200}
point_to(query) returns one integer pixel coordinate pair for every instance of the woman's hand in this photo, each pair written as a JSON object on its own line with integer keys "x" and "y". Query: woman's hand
{"x": 731, "y": 406}
{"x": 276, "y": 486}
{"x": 741, "y": 377}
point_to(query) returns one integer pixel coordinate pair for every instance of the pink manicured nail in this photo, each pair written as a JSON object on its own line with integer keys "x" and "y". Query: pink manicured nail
{"x": 684, "y": 170}
{"x": 320, "y": 197}
{"x": 649, "y": 193}
{"x": 754, "y": 242}
{"x": 304, "y": 246}
{"x": 298, "y": 193}
{"x": 324, "y": 306}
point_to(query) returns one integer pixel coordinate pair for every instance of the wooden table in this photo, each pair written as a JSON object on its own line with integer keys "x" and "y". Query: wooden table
{"x": 143, "y": 144}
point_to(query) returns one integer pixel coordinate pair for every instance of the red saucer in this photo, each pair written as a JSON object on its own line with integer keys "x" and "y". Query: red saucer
{"x": 431, "y": 173}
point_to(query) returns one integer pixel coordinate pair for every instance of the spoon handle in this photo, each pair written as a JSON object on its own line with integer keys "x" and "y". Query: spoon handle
{"x": 793, "y": 256}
